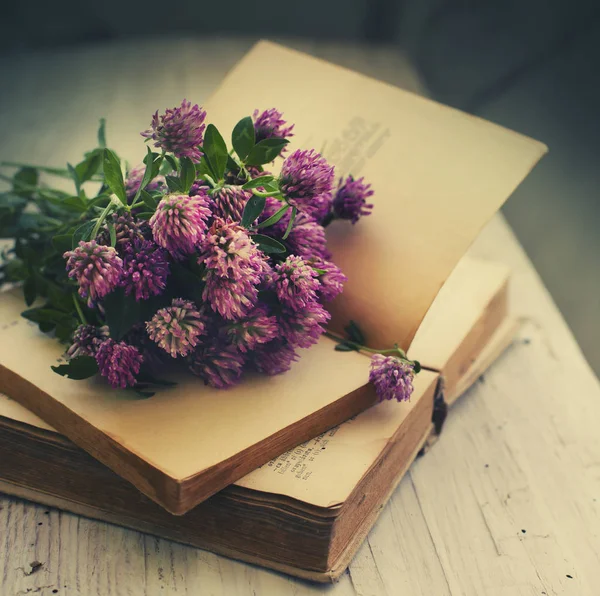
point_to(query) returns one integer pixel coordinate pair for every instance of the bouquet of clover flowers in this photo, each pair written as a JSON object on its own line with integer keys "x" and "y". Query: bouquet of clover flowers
{"x": 198, "y": 256}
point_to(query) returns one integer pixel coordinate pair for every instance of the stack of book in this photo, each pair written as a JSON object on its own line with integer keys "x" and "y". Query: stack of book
{"x": 290, "y": 472}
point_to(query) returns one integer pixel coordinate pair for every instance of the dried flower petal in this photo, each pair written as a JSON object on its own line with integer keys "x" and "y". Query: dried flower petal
{"x": 119, "y": 363}
{"x": 179, "y": 223}
{"x": 96, "y": 268}
{"x": 86, "y": 340}
{"x": 274, "y": 358}
{"x": 179, "y": 131}
{"x": 220, "y": 367}
{"x": 305, "y": 175}
{"x": 177, "y": 328}
{"x": 228, "y": 203}
{"x": 350, "y": 201}
{"x": 270, "y": 123}
{"x": 234, "y": 269}
{"x": 392, "y": 377}
{"x": 145, "y": 269}
{"x": 303, "y": 328}
{"x": 257, "y": 328}
{"x": 296, "y": 283}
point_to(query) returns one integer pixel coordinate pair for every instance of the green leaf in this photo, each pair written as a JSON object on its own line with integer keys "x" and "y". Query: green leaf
{"x": 417, "y": 366}
{"x": 215, "y": 150}
{"x": 320, "y": 271}
{"x": 62, "y": 243}
{"x": 29, "y": 291}
{"x": 254, "y": 207}
{"x": 267, "y": 244}
{"x": 203, "y": 169}
{"x": 344, "y": 347}
{"x": 275, "y": 217}
{"x": 146, "y": 215}
{"x": 153, "y": 162}
{"x": 83, "y": 232}
{"x": 121, "y": 312}
{"x": 149, "y": 200}
{"x": 256, "y": 182}
{"x": 46, "y": 326}
{"x": 186, "y": 282}
{"x": 172, "y": 161}
{"x": 75, "y": 177}
{"x": 265, "y": 151}
{"x": 25, "y": 180}
{"x": 90, "y": 166}
{"x": 61, "y": 172}
{"x": 82, "y": 367}
{"x": 355, "y": 333}
{"x": 102, "y": 133}
{"x": 70, "y": 203}
{"x": 113, "y": 234}
{"x": 187, "y": 176}
{"x": 46, "y": 315}
{"x": 113, "y": 175}
{"x": 290, "y": 223}
{"x": 174, "y": 183}
{"x": 147, "y": 378}
{"x": 243, "y": 137}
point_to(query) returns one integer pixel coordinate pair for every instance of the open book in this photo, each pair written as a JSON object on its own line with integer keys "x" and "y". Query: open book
{"x": 438, "y": 174}
{"x": 307, "y": 511}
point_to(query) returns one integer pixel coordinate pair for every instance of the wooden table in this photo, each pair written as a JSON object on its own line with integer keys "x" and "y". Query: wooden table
{"x": 506, "y": 503}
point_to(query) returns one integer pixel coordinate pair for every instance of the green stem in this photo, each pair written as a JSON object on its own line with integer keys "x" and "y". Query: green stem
{"x": 78, "y": 309}
{"x": 52, "y": 171}
{"x": 101, "y": 219}
{"x": 395, "y": 350}
{"x": 274, "y": 218}
{"x": 265, "y": 194}
{"x": 32, "y": 188}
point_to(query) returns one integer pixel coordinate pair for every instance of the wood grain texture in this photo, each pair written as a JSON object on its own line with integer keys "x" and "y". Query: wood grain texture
{"x": 521, "y": 452}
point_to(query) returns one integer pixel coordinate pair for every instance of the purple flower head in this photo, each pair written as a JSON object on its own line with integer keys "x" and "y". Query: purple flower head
{"x": 305, "y": 175}
{"x": 199, "y": 188}
{"x": 86, "y": 340}
{"x": 134, "y": 179}
{"x": 119, "y": 363}
{"x": 303, "y": 328}
{"x": 257, "y": 328}
{"x": 127, "y": 230}
{"x": 320, "y": 207}
{"x": 179, "y": 223}
{"x": 296, "y": 283}
{"x": 228, "y": 203}
{"x": 391, "y": 377}
{"x": 350, "y": 200}
{"x": 179, "y": 131}
{"x": 270, "y": 123}
{"x": 332, "y": 281}
{"x": 96, "y": 268}
{"x": 274, "y": 358}
{"x": 307, "y": 238}
{"x": 176, "y": 328}
{"x": 152, "y": 355}
{"x": 234, "y": 268}
{"x": 219, "y": 366}
{"x": 145, "y": 269}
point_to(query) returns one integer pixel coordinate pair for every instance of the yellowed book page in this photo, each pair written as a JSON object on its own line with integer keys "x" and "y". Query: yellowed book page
{"x": 456, "y": 309}
{"x": 325, "y": 470}
{"x": 191, "y": 427}
{"x": 438, "y": 176}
